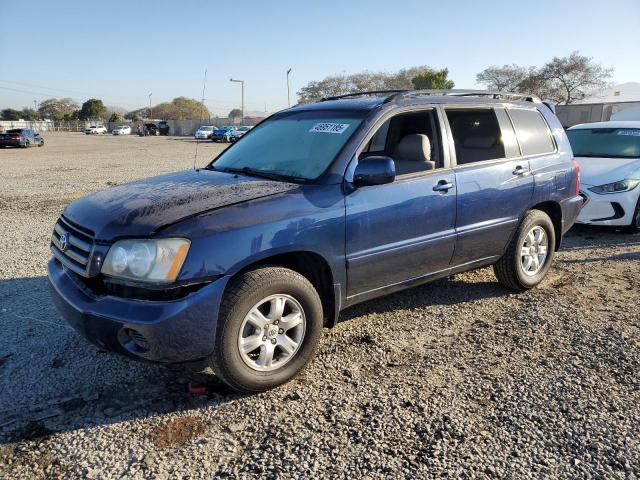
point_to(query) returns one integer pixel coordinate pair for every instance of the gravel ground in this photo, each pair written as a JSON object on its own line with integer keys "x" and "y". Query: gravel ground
{"x": 459, "y": 378}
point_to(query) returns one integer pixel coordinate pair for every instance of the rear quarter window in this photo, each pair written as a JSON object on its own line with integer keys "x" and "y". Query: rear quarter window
{"x": 532, "y": 132}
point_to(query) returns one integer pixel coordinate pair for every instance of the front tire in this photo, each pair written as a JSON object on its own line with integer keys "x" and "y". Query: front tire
{"x": 634, "y": 227}
{"x": 529, "y": 255}
{"x": 269, "y": 327}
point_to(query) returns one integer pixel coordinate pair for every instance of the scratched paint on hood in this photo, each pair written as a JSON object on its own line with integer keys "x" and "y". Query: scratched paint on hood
{"x": 142, "y": 207}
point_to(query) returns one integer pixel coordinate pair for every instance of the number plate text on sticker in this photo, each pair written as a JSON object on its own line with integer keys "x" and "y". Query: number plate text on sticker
{"x": 329, "y": 127}
{"x": 631, "y": 133}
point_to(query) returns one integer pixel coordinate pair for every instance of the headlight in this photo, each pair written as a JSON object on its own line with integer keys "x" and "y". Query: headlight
{"x": 616, "y": 187}
{"x": 146, "y": 260}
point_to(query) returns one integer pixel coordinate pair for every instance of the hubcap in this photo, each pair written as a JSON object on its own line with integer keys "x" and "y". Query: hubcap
{"x": 271, "y": 333}
{"x": 533, "y": 252}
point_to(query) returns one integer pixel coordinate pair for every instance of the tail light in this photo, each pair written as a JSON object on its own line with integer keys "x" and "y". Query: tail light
{"x": 577, "y": 168}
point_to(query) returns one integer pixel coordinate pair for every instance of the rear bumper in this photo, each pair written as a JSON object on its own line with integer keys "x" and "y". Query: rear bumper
{"x": 610, "y": 209}
{"x": 11, "y": 143}
{"x": 166, "y": 331}
{"x": 571, "y": 208}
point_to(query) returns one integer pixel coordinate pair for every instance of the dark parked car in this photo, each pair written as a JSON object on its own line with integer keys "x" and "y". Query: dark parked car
{"x": 222, "y": 134}
{"x": 152, "y": 129}
{"x": 242, "y": 263}
{"x": 163, "y": 128}
{"x": 21, "y": 137}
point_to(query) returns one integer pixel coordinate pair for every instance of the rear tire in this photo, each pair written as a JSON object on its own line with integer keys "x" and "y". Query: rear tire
{"x": 529, "y": 255}
{"x": 292, "y": 347}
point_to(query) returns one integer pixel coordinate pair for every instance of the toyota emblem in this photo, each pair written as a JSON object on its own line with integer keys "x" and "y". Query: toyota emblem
{"x": 64, "y": 241}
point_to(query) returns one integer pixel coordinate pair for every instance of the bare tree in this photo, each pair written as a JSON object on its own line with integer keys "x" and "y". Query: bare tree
{"x": 57, "y": 109}
{"x": 342, "y": 84}
{"x": 574, "y": 77}
{"x": 563, "y": 79}
{"x": 506, "y": 78}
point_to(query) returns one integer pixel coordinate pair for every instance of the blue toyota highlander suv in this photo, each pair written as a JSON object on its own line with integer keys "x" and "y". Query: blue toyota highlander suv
{"x": 242, "y": 263}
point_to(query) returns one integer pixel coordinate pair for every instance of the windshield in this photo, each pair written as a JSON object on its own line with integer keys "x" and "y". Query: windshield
{"x": 243, "y": 129}
{"x": 206, "y": 129}
{"x": 605, "y": 142}
{"x": 295, "y": 144}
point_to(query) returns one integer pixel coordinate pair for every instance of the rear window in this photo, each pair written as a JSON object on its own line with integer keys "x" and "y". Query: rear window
{"x": 605, "y": 142}
{"x": 15, "y": 130}
{"x": 532, "y": 131}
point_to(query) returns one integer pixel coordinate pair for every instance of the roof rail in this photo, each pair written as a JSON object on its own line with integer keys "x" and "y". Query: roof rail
{"x": 464, "y": 93}
{"x": 362, "y": 94}
{"x": 404, "y": 93}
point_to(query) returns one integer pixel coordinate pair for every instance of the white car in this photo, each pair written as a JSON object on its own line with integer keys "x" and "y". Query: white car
{"x": 609, "y": 158}
{"x": 95, "y": 129}
{"x": 204, "y": 132}
{"x": 236, "y": 134}
{"x": 122, "y": 130}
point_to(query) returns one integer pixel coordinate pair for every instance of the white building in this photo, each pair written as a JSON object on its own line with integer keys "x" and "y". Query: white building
{"x": 620, "y": 102}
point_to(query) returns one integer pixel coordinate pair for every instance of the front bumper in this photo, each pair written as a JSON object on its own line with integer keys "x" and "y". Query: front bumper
{"x": 608, "y": 209}
{"x": 164, "y": 331}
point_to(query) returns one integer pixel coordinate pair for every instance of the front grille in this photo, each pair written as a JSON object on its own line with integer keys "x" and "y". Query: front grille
{"x": 79, "y": 246}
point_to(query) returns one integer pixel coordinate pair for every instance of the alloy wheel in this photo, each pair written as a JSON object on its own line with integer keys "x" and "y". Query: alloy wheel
{"x": 272, "y": 332}
{"x": 534, "y": 250}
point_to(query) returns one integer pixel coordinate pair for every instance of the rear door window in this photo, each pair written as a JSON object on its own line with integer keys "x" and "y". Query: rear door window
{"x": 532, "y": 132}
{"x": 476, "y": 135}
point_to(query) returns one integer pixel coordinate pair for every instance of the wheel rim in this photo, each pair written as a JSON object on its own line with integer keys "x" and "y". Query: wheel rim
{"x": 272, "y": 332}
{"x": 534, "y": 250}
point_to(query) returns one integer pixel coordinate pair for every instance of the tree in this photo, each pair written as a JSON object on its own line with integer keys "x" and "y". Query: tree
{"x": 342, "y": 84}
{"x": 563, "y": 79}
{"x": 235, "y": 113}
{"x": 507, "y": 78}
{"x": 574, "y": 77}
{"x": 92, "y": 109}
{"x": 115, "y": 117}
{"x": 11, "y": 114}
{"x": 57, "y": 109}
{"x": 188, "y": 109}
{"x": 136, "y": 115}
{"x": 433, "y": 79}
{"x": 29, "y": 114}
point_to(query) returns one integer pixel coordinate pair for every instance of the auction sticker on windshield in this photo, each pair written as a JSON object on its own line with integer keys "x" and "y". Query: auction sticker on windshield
{"x": 632, "y": 133}
{"x": 329, "y": 127}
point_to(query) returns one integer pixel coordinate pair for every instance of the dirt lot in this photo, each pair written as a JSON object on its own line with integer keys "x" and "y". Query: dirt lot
{"x": 460, "y": 378}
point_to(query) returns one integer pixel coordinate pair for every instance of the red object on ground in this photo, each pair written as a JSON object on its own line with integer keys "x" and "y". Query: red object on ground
{"x": 197, "y": 389}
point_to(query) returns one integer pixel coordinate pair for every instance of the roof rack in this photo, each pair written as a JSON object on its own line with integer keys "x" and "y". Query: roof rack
{"x": 464, "y": 93}
{"x": 362, "y": 94}
{"x": 404, "y": 93}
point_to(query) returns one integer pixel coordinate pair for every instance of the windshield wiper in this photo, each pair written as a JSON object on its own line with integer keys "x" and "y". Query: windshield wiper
{"x": 253, "y": 172}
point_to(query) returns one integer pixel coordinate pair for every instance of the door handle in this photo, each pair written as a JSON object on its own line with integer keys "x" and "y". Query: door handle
{"x": 520, "y": 171}
{"x": 443, "y": 186}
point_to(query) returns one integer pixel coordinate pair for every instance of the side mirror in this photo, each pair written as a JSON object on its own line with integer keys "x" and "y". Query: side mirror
{"x": 374, "y": 171}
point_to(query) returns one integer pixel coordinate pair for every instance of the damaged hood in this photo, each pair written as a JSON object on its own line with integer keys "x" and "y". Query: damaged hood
{"x": 140, "y": 208}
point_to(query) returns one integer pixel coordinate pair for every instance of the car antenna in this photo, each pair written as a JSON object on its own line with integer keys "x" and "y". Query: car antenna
{"x": 204, "y": 86}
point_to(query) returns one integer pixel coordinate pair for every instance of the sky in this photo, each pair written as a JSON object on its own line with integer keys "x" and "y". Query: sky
{"x": 121, "y": 51}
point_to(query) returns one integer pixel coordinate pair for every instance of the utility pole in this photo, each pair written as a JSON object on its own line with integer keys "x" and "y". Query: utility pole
{"x": 204, "y": 86}
{"x": 150, "y": 111}
{"x": 288, "y": 95}
{"x": 35, "y": 106}
{"x": 241, "y": 82}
